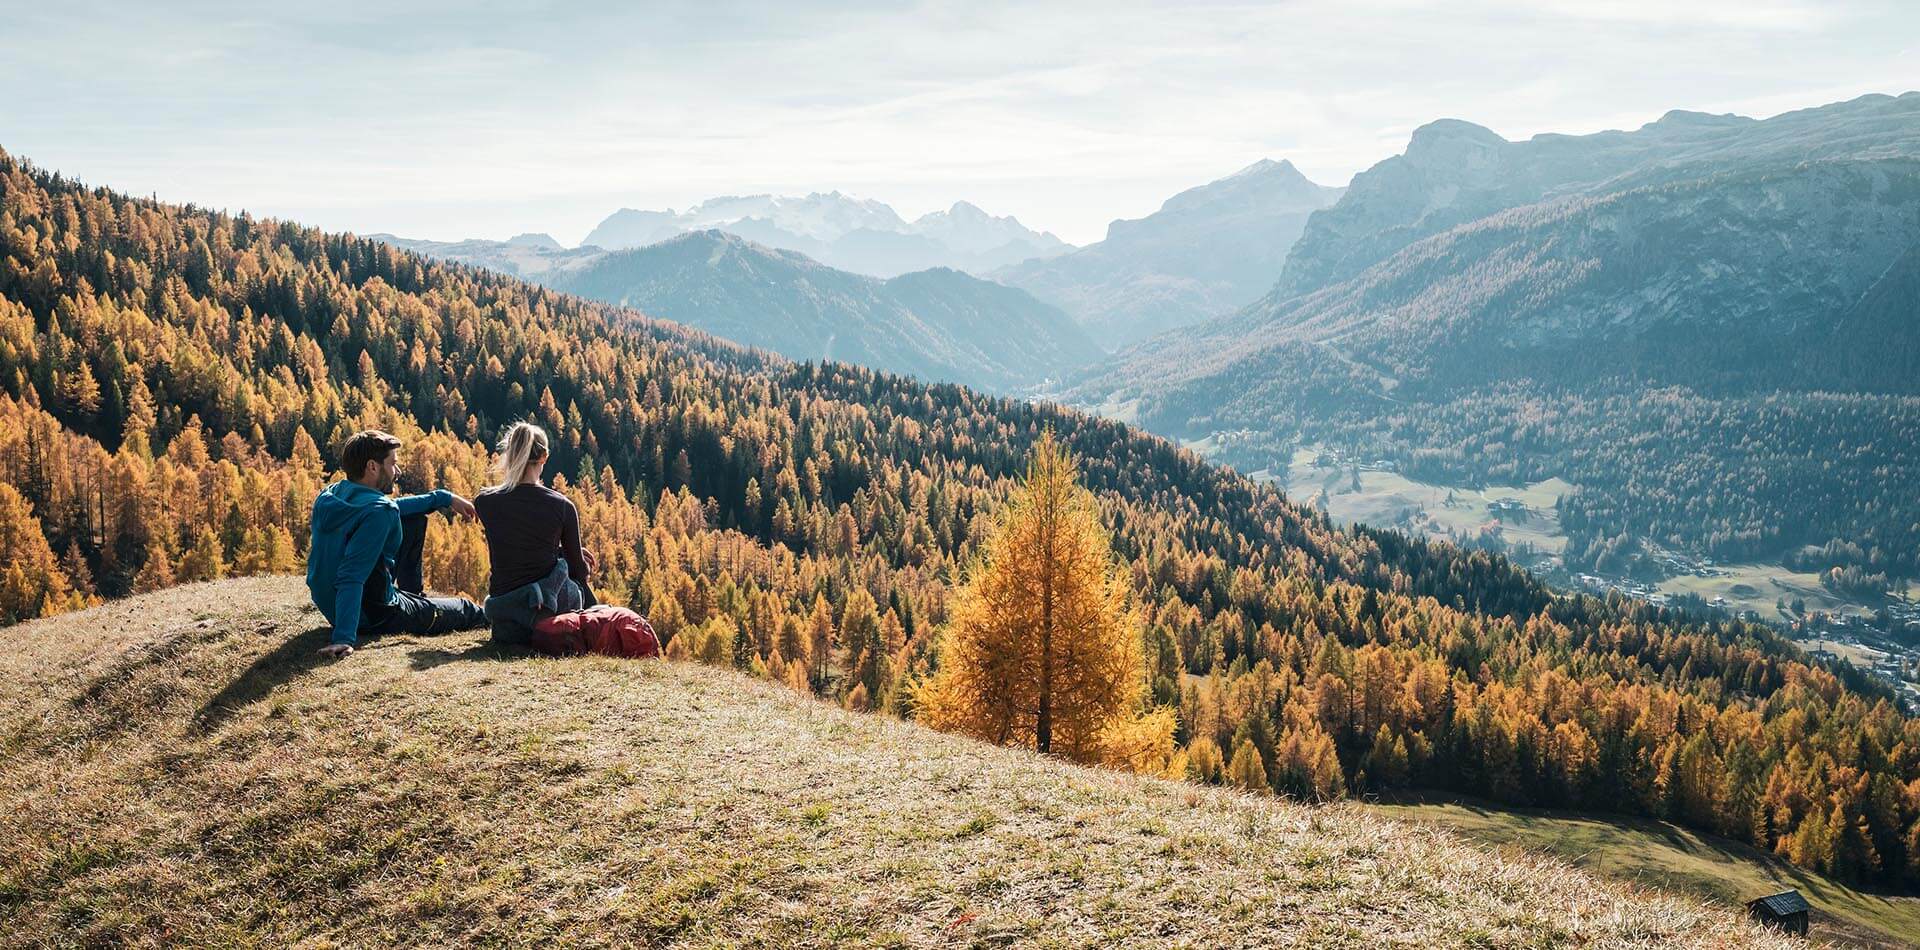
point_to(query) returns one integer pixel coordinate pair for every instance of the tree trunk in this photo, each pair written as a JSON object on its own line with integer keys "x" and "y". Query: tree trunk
{"x": 1043, "y": 728}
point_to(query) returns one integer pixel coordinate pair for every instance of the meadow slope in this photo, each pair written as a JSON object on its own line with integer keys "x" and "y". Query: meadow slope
{"x": 181, "y": 768}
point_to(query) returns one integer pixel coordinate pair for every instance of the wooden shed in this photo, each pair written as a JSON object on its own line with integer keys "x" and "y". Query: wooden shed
{"x": 1786, "y": 910}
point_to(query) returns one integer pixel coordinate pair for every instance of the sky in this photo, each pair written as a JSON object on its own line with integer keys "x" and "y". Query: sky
{"x": 451, "y": 120}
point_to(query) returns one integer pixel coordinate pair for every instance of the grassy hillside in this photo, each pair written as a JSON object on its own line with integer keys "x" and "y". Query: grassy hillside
{"x": 1671, "y": 857}
{"x": 183, "y": 769}
{"x": 172, "y": 381}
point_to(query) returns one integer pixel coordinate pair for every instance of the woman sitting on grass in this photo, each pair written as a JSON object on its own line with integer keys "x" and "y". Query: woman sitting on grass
{"x": 533, "y": 541}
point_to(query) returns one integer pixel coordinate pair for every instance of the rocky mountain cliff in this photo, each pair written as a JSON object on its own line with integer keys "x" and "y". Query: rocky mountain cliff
{"x": 1454, "y": 172}
{"x": 1207, "y": 252}
{"x": 1700, "y": 251}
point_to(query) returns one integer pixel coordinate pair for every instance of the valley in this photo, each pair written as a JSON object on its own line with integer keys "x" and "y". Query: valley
{"x": 1410, "y": 475}
{"x": 1879, "y": 636}
{"x": 1705, "y": 323}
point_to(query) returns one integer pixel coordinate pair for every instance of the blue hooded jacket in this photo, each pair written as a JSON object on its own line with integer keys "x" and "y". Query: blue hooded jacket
{"x": 356, "y": 529}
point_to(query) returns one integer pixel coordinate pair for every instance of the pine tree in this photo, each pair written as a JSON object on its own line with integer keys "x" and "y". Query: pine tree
{"x": 742, "y": 647}
{"x": 251, "y": 556}
{"x": 1387, "y": 761}
{"x": 1307, "y": 763}
{"x": 1204, "y": 763}
{"x": 136, "y": 433}
{"x": 81, "y": 391}
{"x": 1245, "y": 770}
{"x": 203, "y": 560}
{"x": 792, "y": 642}
{"x": 156, "y": 571}
{"x": 864, "y": 659}
{"x": 1041, "y": 650}
{"x": 281, "y": 558}
{"x": 821, "y": 638}
{"x": 1574, "y": 754}
{"x": 74, "y": 563}
{"x": 306, "y": 455}
{"x": 715, "y": 644}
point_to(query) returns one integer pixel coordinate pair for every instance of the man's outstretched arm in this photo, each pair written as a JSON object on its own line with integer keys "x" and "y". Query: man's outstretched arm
{"x": 432, "y": 501}
{"x": 424, "y": 503}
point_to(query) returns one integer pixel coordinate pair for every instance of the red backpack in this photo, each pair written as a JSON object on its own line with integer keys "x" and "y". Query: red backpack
{"x": 603, "y": 629}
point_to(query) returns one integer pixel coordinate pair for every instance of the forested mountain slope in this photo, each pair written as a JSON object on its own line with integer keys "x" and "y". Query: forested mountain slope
{"x": 592, "y": 802}
{"x": 169, "y": 376}
{"x": 1465, "y": 306}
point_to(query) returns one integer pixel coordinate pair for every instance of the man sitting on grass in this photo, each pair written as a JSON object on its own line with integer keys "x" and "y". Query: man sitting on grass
{"x": 363, "y": 565}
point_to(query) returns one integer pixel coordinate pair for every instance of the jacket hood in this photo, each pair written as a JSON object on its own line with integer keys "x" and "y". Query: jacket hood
{"x": 344, "y": 503}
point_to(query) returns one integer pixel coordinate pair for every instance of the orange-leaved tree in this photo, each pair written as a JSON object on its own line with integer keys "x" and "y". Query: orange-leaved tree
{"x": 1042, "y": 649}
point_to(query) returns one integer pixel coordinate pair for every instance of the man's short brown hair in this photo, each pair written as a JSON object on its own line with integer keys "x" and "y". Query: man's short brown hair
{"x": 363, "y": 448}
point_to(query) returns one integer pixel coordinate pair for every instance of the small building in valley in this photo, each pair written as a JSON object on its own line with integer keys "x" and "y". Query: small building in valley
{"x": 1786, "y": 910}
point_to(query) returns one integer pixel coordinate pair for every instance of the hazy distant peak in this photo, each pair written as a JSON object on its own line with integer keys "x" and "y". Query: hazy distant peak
{"x": 538, "y": 239}
{"x": 960, "y": 209}
{"x": 709, "y": 236}
{"x": 968, "y": 227}
{"x": 1445, "y": 134}
{"x": 1678, "y": 118}
{"x": 863, "y": 235}
{"x": 1276, "y": 186}
{"x": 1207, "y": 251}
{"x": 728, "y": 199}
{"x": 1454, "y": 145}
{"x": 1268, "y": 167}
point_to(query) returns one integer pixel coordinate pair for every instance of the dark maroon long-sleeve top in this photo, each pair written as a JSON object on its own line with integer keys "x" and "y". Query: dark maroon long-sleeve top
{"x": 528, "y": 526}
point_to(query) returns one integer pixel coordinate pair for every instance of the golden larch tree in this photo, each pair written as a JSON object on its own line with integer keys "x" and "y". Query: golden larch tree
{"x": 31, "y": 581}
{"x": 1042, "y": 650}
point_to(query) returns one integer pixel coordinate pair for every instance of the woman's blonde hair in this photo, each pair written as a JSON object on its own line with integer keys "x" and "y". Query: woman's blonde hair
{"x": 520, "y": 446}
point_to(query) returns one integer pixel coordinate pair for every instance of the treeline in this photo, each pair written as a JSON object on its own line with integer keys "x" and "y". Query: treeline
{"x": 173, "y": 382}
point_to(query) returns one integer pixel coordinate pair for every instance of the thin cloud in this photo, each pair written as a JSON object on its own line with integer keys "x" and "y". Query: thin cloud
{"x": 448, "y": 120}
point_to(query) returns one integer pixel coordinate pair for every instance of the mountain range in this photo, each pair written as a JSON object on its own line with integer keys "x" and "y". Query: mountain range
{"x": 1739, "y": 263}
{"x": 1207, "y": 252}
{"x": 532, "y": 256}
{"x": 1467, "y": 307}
{"x": 1698, "y": 249}
{"x": 859, "y": 235}
{"x": 938, "y": 324}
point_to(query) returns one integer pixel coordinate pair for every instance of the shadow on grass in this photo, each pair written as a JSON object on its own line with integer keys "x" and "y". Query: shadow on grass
{"x": 1692, "y": 842}
{"x": 298, "y": 655}
{"x": 426, "y": 658}
{"x": 290, "y": 659}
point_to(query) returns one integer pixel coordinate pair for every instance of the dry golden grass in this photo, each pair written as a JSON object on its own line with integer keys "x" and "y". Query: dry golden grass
{"x": 182, "y": 769}
{"x": 1670, "y": 857}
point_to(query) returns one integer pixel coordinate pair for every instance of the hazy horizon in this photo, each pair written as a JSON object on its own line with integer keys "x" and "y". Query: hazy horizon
{"x": 446, "y": 122}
